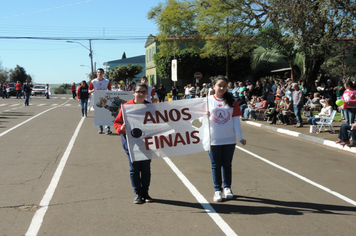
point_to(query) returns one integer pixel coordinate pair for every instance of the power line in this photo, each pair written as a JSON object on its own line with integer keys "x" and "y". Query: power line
{"x": 78, "y": 39}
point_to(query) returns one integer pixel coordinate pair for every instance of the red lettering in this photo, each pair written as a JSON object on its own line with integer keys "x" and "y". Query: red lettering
{"x": 156, "y": 142}
{"x": 188, "y": 137}
{"x": 176, "y": 116}
{"x": 147, "y": 143}
{"x": 197, "y": 139}
{"x": 164, "y": 118}
{"x": 149, "y": 117}
{"x": 179, "y": 139}
{"x": 165, "y": 140}
{"x": 189, "y": 116}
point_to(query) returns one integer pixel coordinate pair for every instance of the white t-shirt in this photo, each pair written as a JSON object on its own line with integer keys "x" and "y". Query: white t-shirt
{"x": 224, "y": 121}
{"x": 100, "y": 84}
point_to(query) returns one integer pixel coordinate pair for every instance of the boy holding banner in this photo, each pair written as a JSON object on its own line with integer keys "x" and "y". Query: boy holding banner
{"x": 224, "y": 120}
{"x": 140, "y": 171}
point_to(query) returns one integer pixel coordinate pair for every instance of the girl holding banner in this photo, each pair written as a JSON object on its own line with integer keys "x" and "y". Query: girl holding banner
{"x": 224, "y": 119}
{"x": 140, "y": 171}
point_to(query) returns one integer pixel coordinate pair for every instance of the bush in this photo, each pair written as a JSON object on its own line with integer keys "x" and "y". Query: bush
{"x": 59, "y": 91}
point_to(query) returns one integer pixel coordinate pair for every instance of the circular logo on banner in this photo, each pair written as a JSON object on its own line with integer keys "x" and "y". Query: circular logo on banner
{"x": 136, "y": 133}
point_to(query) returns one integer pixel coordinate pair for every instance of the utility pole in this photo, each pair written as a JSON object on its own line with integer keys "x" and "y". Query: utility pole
{"x": 91, "y": 59}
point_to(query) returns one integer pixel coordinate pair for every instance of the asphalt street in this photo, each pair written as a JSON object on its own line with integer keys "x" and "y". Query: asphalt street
{"x": 60, "y": 177}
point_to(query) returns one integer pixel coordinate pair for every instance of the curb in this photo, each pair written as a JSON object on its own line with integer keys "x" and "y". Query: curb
{"x": 322, "y": 141}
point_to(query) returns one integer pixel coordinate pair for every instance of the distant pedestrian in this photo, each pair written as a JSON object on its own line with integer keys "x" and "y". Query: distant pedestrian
{"x": 47, "y": 91}
{"x": 161, "y": 93}
{"x": 73, "y": 88}
{"x": 18, "y": 89}
{"x": 4, "y": 92}
{"x": 100, "y": 83}
{"x": 27, "y": 92}
{"x": 83, "y": 96}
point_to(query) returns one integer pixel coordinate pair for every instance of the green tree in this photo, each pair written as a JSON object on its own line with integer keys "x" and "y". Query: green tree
{"x": 220, "y": 25}
{"x": 315, "y": 26}
{"x": 337, "y": 65}
{"x": 65, "y": 86}
{"x": 19, "y": 74}
{"x": 4, "y": 74}
{"x": 125, "y": 72}
{"x": 273, "y": 46}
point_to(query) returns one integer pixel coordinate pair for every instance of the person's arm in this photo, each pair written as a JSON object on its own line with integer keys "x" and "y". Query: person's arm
{"x": 78, "y": 93}
{"x": 109, "y": 86}
{"x": 119, "y": 124}
{"x": 91, "y": 88}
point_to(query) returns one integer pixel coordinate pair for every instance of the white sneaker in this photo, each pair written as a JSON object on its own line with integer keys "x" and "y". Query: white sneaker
{"x": 228, "y": 193}
{"x": 217, "y": 196}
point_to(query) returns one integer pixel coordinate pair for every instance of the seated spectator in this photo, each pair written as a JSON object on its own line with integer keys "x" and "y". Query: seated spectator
{"x": 242, "y": 104}
{"x": 325, "y": 111}
{"x": 276, "y": 110}
{"x": 270, "y": 98}
{"x": 287, "y": 111}
{"x": 259, "y": 109}
{"x": 313, "y": 104}
{"x": 344, "y": 137}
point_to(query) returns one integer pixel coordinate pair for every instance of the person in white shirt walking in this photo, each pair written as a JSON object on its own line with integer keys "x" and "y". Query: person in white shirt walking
{"x": 224, "y": 117}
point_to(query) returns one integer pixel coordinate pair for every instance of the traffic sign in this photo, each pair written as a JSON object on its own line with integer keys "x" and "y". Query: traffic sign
{"x": 198, "y": 75}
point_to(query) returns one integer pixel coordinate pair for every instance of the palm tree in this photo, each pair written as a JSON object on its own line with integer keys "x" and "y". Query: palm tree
{"x": 273, "y": 46}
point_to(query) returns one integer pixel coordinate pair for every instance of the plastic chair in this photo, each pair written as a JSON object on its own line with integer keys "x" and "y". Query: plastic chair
{"x": 326, "y": 121}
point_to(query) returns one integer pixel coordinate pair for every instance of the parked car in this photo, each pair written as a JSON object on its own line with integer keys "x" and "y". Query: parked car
{"x": 11, "y": 89}
{"x": 38, "y": 89}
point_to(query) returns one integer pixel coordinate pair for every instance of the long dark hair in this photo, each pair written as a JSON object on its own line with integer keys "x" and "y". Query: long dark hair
{"x": 228, "y": 97}
{"x": 85, "y": 84}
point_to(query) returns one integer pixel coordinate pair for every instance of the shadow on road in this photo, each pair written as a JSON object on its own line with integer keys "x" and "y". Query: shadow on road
{"x": 274, "y": 207}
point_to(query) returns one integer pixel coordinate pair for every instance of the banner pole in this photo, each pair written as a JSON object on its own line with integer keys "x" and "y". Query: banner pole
{"x": 208, "y": 114}
{"x": 127, "y": 140}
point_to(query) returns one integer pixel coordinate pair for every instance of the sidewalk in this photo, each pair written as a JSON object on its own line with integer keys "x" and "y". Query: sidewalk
{"x": 324, "y": 138}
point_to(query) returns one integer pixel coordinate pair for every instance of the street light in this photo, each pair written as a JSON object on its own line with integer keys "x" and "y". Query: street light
{"x": 90, "y": 54}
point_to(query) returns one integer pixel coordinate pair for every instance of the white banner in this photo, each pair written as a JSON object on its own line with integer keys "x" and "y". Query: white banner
{"x": 165, "y": 129}
{"x": 107, "y": 105}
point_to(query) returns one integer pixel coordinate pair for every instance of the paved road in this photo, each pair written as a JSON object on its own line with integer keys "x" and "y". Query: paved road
{"x": 282, "y": 185}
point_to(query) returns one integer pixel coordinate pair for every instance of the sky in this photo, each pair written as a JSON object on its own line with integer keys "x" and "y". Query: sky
{"x": 57, "y": 61}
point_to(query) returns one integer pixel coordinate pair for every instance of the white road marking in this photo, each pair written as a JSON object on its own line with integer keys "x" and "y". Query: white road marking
{"x": 40, "y": 213}
{"x": 22, "y": 123}
{"x": 301, "y": 177}
{"x": 63, "y": 97}
{"x": 14, "y": 105}
{"x": 1, "y": 105}
{"x": 39, "y": 105}
{"x": 54, "y": 104}
{"x": 200, "y": 198}
{"x": 68, "y": 105}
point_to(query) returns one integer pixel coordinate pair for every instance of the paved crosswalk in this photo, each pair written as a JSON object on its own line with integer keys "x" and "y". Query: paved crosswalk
{"x": 16, "y": 105}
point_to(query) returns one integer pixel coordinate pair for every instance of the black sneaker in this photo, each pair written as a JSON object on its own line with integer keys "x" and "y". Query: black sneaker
{"x": 138, "y": 199}
{"x": 108, "y": 132}
{"x": 147, "y": 197}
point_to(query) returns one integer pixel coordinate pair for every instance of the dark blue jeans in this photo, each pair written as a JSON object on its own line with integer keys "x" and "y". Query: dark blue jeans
{"x": 18, "y": 94}
{"x": 84, "y": 106}
{"x": 140, "y": 175}
{"x": 221, "y": 159}
{"x": 297, "y": 111}
{"x": 313, "y": 120}
{"x": 27, "y": 98}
